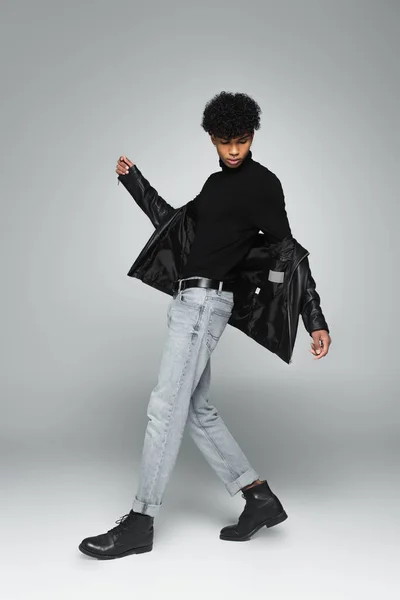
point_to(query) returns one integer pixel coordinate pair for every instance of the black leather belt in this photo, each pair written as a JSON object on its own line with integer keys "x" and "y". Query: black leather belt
{"x": 204, "y": 282}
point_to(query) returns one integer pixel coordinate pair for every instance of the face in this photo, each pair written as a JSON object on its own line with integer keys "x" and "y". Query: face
{"x": 233, "y": 151}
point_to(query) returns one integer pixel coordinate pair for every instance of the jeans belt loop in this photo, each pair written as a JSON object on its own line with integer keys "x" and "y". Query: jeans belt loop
{"x": 221, "y": 283}
{"x": 180, "y": 285}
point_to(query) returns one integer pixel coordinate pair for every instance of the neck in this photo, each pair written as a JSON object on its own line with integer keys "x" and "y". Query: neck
{"x": 243, "y": 165}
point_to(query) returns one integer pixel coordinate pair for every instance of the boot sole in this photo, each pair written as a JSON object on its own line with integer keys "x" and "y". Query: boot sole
{"x": 267, "y": 523}
{"x": 139, "y": 550}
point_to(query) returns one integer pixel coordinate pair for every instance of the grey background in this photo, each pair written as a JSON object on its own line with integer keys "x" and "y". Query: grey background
{"x": 84, "y": 82}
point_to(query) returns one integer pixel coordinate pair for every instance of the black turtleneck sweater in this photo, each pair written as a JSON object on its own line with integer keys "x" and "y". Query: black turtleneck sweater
{"x": 232, "y": 207}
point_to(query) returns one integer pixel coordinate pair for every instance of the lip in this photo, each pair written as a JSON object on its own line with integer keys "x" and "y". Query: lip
{"x": 233, "y": 161}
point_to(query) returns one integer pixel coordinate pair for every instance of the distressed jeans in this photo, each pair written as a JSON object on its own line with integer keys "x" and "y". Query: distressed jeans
{"x": 196, "y": 319}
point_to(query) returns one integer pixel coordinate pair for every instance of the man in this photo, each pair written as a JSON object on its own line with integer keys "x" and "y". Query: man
{"x": 209, "y": 256}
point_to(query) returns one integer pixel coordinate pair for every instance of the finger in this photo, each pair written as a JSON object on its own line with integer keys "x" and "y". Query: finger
{"x": 322, "y": 353}
{"x": 120, "y": 171}
{"x": 318, "y": 347}
{"x": 123, "y": 167}
{"x": 326, "y": 342}
{"x": 123, "y": 164}
{"x": 126, "y": 160}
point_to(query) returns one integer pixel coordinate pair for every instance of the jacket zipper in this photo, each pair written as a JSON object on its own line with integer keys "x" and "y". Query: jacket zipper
{"x": 288, "y": 306}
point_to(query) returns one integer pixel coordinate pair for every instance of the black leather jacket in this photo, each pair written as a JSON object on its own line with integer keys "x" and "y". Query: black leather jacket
{"x": 274, "y": 284}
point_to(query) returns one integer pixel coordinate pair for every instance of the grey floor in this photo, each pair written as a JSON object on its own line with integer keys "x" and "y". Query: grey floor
{"x": 341, "y": 540}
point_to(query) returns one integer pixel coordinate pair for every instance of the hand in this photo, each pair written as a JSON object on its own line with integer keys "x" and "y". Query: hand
{"x": 122, "y": 165}
{"x": 320, "y": 336}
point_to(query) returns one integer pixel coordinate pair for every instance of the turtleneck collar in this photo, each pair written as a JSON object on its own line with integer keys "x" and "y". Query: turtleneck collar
{"x": 243, "y": 165}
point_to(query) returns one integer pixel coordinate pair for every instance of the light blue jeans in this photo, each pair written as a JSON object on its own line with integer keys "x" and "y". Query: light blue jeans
{"x": 196, "y": 319}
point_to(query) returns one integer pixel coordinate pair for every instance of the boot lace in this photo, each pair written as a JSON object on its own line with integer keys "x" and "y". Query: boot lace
{"x": 122, "y": 524}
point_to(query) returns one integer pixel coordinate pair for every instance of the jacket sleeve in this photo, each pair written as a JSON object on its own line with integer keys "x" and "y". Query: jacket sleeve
{"x": 152, "y": 204}
{"x": 311, "y": 313}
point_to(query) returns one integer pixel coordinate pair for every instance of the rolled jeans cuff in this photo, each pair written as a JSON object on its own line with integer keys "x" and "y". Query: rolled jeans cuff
{"x": 245, "y": 479}
{"x": 145, "y": 508}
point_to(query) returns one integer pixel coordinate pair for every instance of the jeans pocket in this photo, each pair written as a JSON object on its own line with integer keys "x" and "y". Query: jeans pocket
{"x": 222, "y": 302}
{"x": 192, "y": 296}
{"x": 217, "y": 322}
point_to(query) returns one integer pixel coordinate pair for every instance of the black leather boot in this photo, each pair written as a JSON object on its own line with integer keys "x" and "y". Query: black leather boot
{"x": 133, "y": 535}
{"x": 262, "y": 508}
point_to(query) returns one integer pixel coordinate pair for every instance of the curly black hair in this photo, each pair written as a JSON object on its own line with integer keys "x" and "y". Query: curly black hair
{"x": 228, "y": 115}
